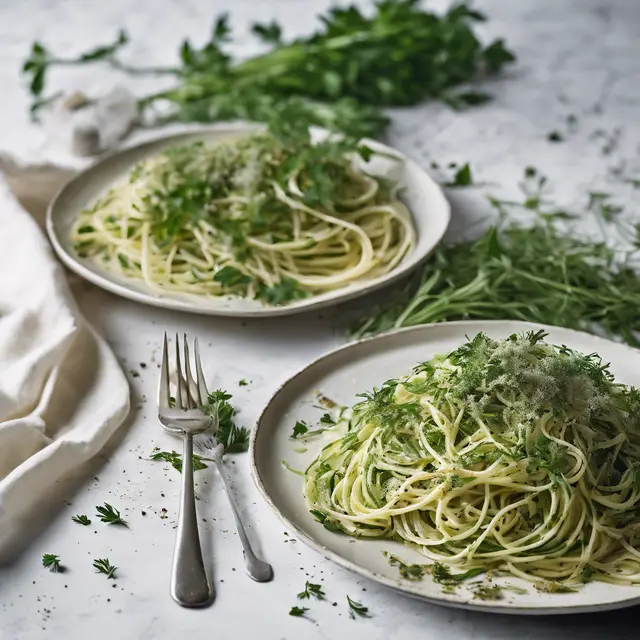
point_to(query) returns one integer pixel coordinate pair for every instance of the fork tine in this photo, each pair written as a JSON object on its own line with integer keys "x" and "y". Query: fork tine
{"x": 189, "y": 381}
{"x": 163, "y": 383}
{"x": 203, "y": 392}
{"x": 179, "y": 398}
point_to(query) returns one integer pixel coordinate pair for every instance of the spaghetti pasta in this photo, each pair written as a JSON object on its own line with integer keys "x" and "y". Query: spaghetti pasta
{"x": 256, "y": 217}
{"x": 512, "y": 455}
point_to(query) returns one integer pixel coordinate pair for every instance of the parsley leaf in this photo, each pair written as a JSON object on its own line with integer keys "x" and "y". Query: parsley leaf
{"x": 230, "y": 277}
{"x": 462, "y": 177}
{"x": 81, "y": 520}
{"x": 110, "y": 515}
{"x": 175, "y": 459}
{"x": 299, "y": 429}
{"x": 327, "y": 419}
{"x": 234, "y": 439}
{"x": 52, "y": 562}
{"x": 298, "y": 611}
{"x": 311, "y": 589}
{"x": 286, "y": 290}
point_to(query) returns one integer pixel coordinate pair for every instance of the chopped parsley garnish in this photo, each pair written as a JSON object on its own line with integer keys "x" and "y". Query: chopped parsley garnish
{"x": 462, "y": 177}
{"x": 110, "y": 515}
{"x": 357, "y": 609}
{"x": 325, "y": 519}
{"x": 231, "y": 277}
{"x": 310, "y": 590}
{"x": 52, "y": 562}
{"x": 102, "y": 565}
{"x": 234, "y": 439}
{"x": 298, "y": 611}
{"x": 175, "y": 459}
{"x": 243, "y": 383}
{"x": 299, "y": 429}
{"x": 286, "y": 290}
{"x": 327, "y": 419}
{"x": 82, "y": 519}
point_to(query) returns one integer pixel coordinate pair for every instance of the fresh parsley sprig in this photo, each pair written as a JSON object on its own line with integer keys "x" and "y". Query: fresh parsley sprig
{"x": 298, "y": 611}
{"x": 233, "y": 438}
{"x": 52, "y": 562}
{"x": 175, "y": 459}
{"x": 340, "y": 77}
{"x": 103, "y": 565}
{"x": 110, "y": 515}
{"x": 311, "y": 589}
{"x": 81, "y": 519}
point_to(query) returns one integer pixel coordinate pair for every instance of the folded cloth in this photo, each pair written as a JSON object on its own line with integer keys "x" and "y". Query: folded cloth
{"x": 62, "y": 391}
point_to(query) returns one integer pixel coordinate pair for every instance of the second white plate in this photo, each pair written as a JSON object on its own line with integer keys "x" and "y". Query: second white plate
{"x": 359, "y": 367}
{"x": 424, "y": 198}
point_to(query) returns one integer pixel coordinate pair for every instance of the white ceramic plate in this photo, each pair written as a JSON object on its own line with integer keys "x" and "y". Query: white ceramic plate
{"x": 423, "y": 197}
{"x": 358, "y": 367}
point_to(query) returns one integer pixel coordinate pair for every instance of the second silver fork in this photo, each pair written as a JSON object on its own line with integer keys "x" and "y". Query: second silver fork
{"x": 190, "y": 586}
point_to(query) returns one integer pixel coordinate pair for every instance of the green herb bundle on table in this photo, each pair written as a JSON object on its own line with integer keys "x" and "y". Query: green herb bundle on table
{"x": 340, "y": 77}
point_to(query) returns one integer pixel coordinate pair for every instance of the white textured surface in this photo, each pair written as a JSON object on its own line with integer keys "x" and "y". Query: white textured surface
{"x": 575, "y": 57}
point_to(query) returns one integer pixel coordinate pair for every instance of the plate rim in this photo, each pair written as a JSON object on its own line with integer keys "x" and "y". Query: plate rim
{"x": 103, "y": 281}
{"x": 398, "y": 586}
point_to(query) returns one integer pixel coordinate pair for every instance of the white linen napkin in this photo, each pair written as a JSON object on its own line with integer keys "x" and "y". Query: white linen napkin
{"x": 62, "y": 391}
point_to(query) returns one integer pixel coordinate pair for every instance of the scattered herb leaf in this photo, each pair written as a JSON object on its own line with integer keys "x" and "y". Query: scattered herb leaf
{"x": 357, "y": 609}
{"x": 109, "y": 515}
{"x": 311, "y": 589}
{"x": 102, "y": 565}
{"x": 52, "y": 562}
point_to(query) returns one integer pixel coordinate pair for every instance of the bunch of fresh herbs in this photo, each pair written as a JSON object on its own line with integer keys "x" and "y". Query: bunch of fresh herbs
{"x": 542, "y": 272}
{"x": 340, "y": 76}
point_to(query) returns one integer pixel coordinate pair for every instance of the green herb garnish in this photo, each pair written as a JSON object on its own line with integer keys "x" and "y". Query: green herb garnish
{"x": 52, "y": 562}
{"x": 230, "y": 277}
{"x": 285, "y": 291}
{"x": 299, "y": 429}
{"x": 298, "y": 611}
{"x": 110, "y": 515}
{"x": 234, "y": 439}
{"x": 462, "y": 177}
{"x": 311, "y": 589}
{"x": 102, "y": 565}
{"x": 357, "y": 609}
{"x": 243, "y": 383}
{"x": 325, "y": 519}
{"x": 175, "y": 459}
{"x": 81, "y": 520}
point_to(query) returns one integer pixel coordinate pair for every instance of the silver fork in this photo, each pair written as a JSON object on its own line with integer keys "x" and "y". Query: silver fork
{"x": 190, "y": 586}
{"x": 257, "y": 569}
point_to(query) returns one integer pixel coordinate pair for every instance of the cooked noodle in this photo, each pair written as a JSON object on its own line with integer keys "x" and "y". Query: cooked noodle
{"x": 512, "y": 455}
{"x": 183, "y": 217}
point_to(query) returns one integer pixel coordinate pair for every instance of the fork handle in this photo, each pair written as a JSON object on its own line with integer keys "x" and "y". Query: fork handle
{"x": 190, "y": 586}
{"x": 257, "y": 569}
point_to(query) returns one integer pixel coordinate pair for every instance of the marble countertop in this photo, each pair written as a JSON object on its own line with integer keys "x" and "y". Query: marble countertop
{"x": 576, "y": 57}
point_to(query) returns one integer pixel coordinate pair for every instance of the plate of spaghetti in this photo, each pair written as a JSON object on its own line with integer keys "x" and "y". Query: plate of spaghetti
{"x": 488, "y": 465}
{"x": 248, "y": 221}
